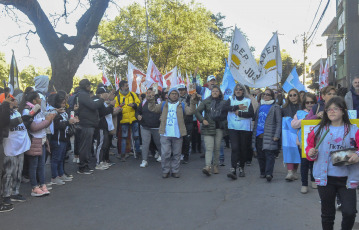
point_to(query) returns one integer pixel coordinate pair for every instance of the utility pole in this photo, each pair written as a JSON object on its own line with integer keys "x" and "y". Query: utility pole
{"x": 148, "y": 43}
{"x": 305, "y": 47}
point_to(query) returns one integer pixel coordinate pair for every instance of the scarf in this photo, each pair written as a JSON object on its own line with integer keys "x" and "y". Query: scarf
{"x": 263, "y": 102}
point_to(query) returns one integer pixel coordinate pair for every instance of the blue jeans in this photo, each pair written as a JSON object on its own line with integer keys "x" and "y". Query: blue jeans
{"x": 135, "y": 134}
{"x": 221, "y": 152}
{"x": 58, "y": 151}
{"x": 37, "y": 168}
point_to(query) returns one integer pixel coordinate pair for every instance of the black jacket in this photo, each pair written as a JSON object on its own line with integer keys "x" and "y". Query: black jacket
{"x": 290, "y": 110}
{"x": 4, "y": 120}
{"x": 88, "y": 109}
{"x": 60, "y": 126}
{"x": 149, "y": 119}
{"x": 103, "y": 111}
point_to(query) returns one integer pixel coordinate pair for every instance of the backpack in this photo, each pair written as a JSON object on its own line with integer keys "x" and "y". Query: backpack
{"x": 72, "y": 100}
{"x": 182, "y": 103}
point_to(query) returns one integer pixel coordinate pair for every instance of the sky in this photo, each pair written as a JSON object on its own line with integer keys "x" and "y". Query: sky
{"x": 258, "y": 19}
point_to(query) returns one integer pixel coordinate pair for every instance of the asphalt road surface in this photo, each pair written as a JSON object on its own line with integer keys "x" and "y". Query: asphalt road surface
{"x": 129, "y": 197}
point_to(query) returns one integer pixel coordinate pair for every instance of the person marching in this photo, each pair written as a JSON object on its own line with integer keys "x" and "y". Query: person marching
{"x": 335, "y": 132}
{"x": 240, "y": 115}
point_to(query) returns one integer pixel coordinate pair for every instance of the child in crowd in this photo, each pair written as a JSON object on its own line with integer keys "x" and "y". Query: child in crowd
{"x": 15, "y": 145}
{"x": 341, "y": 134}
{"x": 36, "y": 124}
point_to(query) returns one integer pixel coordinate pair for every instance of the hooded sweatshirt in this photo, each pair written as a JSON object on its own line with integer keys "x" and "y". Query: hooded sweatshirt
{"x": 41, "y": 86}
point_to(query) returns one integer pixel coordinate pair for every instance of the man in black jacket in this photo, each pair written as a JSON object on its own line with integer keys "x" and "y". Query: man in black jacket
{"x": 4, "y": 132}
{"x": 89, "y": 119}
{"x": 150, "y": 123}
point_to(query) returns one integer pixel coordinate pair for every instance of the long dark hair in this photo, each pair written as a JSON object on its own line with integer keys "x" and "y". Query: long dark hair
{"x": 325, "y": 122}
{"x": 287, "y": 101}
{"x": 28, "y": 97}
{"x": 220, "y": 91}
{"x": 311, "y": 96}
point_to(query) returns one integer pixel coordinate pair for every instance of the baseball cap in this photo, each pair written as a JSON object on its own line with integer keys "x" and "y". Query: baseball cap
{"x": 101, "y": 90}
{"x": 211, "y": 77}
{"x": 181, "y": 86}
{"x": 84, "y": 83}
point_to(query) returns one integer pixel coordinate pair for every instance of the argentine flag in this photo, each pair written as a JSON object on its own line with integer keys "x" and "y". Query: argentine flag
{"x": 293, "y": 82}
{"x": 228, "y": 83}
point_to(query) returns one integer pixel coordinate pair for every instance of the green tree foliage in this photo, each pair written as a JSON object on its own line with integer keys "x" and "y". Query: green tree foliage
{"x": 288, "y": 64}
{"x": 27, "y": 75}
{"x": 4, "y": 68}
{"x": 180, "y": 35}
{"x": 94, "y": 79}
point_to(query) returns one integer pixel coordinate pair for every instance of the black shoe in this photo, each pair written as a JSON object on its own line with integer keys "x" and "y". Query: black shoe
{"x": 221, "y": 163}
{"x": 7, "y": 201}
{"x": 262, "y": 176}
{"x": 17, "y": 198}
{"x": 175, "y": 175}
{"x": 249, "y": 163}
{"x": 241, "y": 172}
{"x": 84, "y": 171}
{"x": 165, "y": 175}
{"x": 232, "y": 174}
{"x": 6, "y": 208}
{"x": 269, "y": 178}
{"x": 185, "y": 162}
{"x": 202, "y": 155}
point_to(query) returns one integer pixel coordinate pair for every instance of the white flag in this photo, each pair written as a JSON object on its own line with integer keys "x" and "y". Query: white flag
{"x": 270, "y": 64}
{"x": 241, "y": 62}
{"x": 170, "y": 79}
{"x": 135, "y": 78}
{"x": 117, "y": 81}
{"x": 153, "y": 75}
{"x": 324, "y": 74}
{"x": 105, "y": 80}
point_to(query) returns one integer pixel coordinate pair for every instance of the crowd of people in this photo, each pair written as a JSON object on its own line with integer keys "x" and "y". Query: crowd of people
{"x": 170, "y": 125}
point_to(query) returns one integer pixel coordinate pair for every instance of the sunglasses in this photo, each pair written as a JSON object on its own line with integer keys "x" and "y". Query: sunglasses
{"x": 267, "y": 94}
{"x": 292, "y": 95}
{"x": 238, "y": 89}
{"x": 309, "y": 102}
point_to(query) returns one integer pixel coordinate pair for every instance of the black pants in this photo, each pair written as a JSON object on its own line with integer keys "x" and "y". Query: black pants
{"x": 250, "y": 149}
{"x": 77, "y": 141}
{"x": 196, "y": 139}
{"x": 305, "y": 166}
{"x": 240, "y": 142}
{"x": 348, "y": 198}
{"x": 186, "y": 142}
{"x": 266, "y": 158}
{"x": 85, "y": 146}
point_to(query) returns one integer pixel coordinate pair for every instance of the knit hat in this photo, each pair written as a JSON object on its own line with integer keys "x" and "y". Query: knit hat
{"x": 173, "y": 89}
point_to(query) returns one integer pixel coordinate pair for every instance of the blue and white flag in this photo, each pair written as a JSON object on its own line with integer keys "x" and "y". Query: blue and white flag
{"x": 228, "y": 83}
{"x": 293, "y": 82}
{"x": 289, "y": 145}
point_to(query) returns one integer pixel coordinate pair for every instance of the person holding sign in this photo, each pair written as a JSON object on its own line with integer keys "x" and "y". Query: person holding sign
{"x": 309, "y": 100}
{"x": 335, "y": 132}
{"x": 240, "y": 115}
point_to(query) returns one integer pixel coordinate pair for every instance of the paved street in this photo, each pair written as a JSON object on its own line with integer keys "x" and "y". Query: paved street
{"x": 129, "y": 197}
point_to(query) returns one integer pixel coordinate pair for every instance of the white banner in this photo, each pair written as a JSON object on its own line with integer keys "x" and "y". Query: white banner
{"x": 170, "y": 79}
{"x": 135, "y": 79}
{"x": 153, "y": 75}
{"x": 270, "y": 64}
{"x": 241, "y": 62}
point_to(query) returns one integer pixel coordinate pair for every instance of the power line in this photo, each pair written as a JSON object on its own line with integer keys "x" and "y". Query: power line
{"x": 315, "y": 16}
{"x": 319, "y": 21}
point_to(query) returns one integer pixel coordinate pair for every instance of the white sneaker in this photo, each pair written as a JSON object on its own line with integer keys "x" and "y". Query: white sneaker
{"x": 104, "y": 165}
{"x": 157, "y": 155}
{"x": 182, "y": 157}
{"x": 74, "y": 160}
{"x": 57, "y": 181}
{"x": 101, "y": 167}
{"x": 65, "y": 178}
{"x": 144, "y": 164}
{"x": 159, "y": 159}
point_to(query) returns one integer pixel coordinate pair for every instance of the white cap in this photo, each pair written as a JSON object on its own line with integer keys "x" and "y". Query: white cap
{"x": 211, "y": 77}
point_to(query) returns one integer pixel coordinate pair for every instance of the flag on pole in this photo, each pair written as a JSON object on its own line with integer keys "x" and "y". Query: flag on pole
{"x": 105, "y": 80}
{"x": 170, "y": 79}
{"x": 14, "y": 74}
{"x": 293, "y": 82}
{"x": 228, "y": 83}
{"x": 135, "y": 79}
{"x": 270, "y": 64}
{"x": 117, "y": 81}
{"x": 241, "y": 62}
{"x": 324, "y": 75}
{"x": 153, "y": 76}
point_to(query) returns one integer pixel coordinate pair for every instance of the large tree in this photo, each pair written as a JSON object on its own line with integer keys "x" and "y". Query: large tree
{"x": 180, "y": 34}
{"x": 64, "y": 61}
